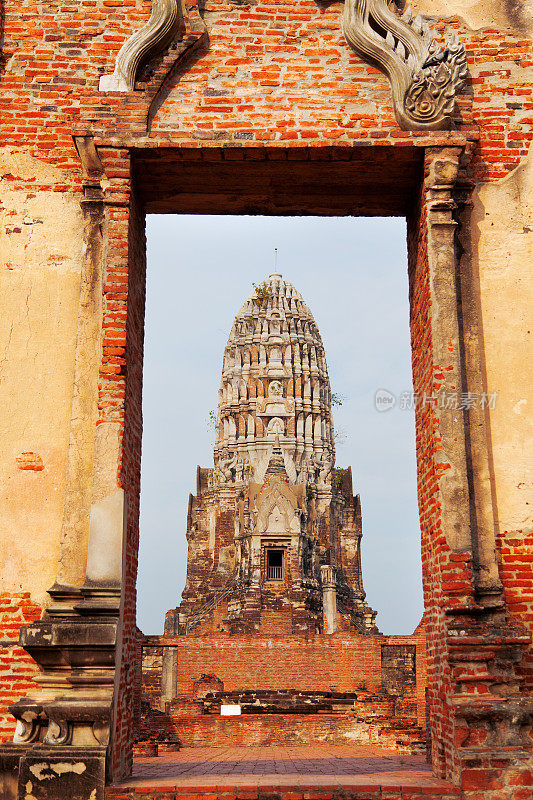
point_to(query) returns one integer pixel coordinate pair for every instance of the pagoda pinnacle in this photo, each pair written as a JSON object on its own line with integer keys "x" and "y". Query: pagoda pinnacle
{"x": 274, "y": 388}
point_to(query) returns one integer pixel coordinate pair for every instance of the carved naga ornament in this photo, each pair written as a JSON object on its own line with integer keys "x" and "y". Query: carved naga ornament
{"x": 142, "y": 45}
{"x": 424, "y": 79}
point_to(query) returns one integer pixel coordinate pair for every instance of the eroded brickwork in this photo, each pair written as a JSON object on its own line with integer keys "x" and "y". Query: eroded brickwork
{"x": 368, "y": 725}
{"x": 516, "y": 553}
{"x": 284, "y": 54}
{"x": 333, "y": 663}
{"x": 426, "y": 443}
{"x": 340, "y": 688}
{"x": 127, "y": 282}
{"x": 17, "y": 669}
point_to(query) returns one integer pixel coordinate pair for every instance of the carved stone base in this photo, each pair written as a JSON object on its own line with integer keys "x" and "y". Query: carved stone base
{"x": 51, "y": 773}
{"x": 63, "y": 726}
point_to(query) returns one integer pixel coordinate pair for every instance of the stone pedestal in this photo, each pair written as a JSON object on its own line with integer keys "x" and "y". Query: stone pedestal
{"x": 63, "y": 728}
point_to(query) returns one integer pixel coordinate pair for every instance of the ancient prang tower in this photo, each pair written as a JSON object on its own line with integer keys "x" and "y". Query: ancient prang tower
{"x": 273, "y": 619}
{"x": 274, "y": 531}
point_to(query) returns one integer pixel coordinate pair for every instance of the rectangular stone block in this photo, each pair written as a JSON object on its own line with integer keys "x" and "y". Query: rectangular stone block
{"x": 69, "y": 773}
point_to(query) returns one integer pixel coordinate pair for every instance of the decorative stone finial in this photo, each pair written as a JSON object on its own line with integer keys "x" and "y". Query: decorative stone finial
{"x": 142, "y": 45}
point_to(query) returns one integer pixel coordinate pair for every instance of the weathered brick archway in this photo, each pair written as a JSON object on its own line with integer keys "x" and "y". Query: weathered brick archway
{"x": 87, "y": 173}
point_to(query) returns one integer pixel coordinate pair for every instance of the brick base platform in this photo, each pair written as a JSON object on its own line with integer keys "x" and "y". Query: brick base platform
{"x": 285, "y": 730}
{"x": 319, "y": 772}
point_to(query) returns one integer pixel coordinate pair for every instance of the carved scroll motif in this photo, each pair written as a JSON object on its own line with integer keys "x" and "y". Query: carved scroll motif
{"x": 424, "y": 79}
{"x": 30, "y": 719}
{"x": 59, "y": 731}
{"x": 142, "y": 45}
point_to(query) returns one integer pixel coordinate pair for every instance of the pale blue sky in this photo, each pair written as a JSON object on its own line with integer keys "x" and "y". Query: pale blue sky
{"x": 352, "y": 273}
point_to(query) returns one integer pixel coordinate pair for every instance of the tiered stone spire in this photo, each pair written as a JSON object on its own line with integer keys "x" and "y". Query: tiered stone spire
{"x": 272, "y": 513}
{"x": 274, "y": 384}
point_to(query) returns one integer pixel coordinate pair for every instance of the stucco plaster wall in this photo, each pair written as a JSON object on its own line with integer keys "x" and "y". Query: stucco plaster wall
{"x": 502, "y": 248}
{"x": 41, "y": 242}
{"x": 514, "y": 15}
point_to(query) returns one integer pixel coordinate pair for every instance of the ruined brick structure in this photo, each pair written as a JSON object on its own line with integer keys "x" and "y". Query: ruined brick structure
{"x": 111, "y": 109}
{"x": 274, "y": 608}
{"x": 291, "y": 689}
{"x": 274, "y": 533}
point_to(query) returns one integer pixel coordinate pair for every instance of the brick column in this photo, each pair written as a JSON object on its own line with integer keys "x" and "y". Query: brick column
{"x": 476, "y": 704}
{"x": 71, "y": 725}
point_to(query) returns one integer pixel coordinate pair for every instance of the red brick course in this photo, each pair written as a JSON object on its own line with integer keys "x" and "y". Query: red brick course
{"x": 363, "y": 726}
{"x": 327, "y": 663}
{"x": 280, "y": 792}
{"x": 17, "y": 668}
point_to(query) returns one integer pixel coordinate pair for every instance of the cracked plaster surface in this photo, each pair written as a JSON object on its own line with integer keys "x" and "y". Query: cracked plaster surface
{"x": 503, "y": 248}
{"x": 41, "y": 236}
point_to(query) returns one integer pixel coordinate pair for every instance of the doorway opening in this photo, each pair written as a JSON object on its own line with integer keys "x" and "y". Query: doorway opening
{"x": 352, "y": 273}
{"x": 274, "y": 566}
{"x": 373, "y": 181}
{"x": 190, "y": 314}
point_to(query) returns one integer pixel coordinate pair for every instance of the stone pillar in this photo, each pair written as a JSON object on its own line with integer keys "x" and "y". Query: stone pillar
{"x": 169, "y": 669}
{"x": 169, "y": 675}
{"x": 476, "y": 702}
{"x": 329, "y": 598}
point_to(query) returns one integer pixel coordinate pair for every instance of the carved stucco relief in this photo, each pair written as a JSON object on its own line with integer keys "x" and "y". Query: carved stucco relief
{"x": 424, "y": 79}
{"x": 146, "y": 42}
{"x": 169, "y": 19}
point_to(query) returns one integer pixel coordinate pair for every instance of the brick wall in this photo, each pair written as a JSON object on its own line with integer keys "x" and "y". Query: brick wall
{"x": 313, "y": 791}
{"x": 283, "y": 730}
{"x": 127, "y": 279}
{"x": 17, "y": 668}
{"x": 256, "y": 671}
{"x": 435, "y": 551}
{"x": 253, "y": 85}
{"x": 333, "y": 663}
{"x": 516, "y": 554}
